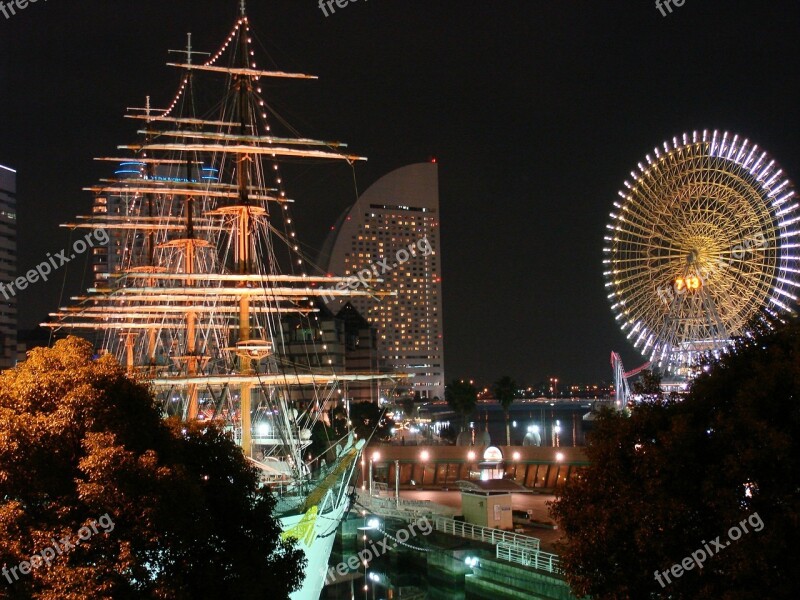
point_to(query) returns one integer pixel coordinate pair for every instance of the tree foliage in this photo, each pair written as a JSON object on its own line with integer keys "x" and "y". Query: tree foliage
{"x": 648, "y": 384}
{"x": 408, "y": 407}
{"x": 677, "y": 474}
{"x": 79, "y": 440}
{"x": 448, "y": 434}
{"x": 505, "y": 391}
{"x": 462, "y": 397}
{"x": 368, "y": 417}
{"x": 323, "y": 439}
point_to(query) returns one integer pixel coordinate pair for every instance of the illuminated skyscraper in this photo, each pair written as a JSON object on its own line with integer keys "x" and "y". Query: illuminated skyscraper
{"x": 122, "y": 248}
{"x": 8, "y": 266}
{"x": 392, "y": 232}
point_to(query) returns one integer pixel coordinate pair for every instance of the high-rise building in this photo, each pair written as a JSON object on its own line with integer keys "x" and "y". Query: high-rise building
{"x": 123, "y": 251}
{"x": 344, "y": 343}
{"x": 8, "y": 266}
{"x": 390, "y": 237}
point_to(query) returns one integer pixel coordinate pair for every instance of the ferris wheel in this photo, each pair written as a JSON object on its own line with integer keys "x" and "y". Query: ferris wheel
{"x": 702, "y": 241}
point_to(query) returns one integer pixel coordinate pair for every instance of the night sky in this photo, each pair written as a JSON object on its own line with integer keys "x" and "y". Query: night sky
{"x": 536, "y": 111}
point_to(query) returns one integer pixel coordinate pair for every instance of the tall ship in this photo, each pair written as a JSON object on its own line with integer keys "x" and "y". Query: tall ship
{"x": 204, "y": 292}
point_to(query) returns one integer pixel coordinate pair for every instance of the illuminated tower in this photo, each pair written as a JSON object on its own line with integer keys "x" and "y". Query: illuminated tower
{"x": 393, "y": 231}
{"x": 8, "y": 266}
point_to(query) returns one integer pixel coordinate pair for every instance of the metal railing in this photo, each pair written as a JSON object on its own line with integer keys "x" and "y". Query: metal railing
{"x": 528, "y": 557}
{"x": 408, "y": 510}
{"x": 484, "y": 534}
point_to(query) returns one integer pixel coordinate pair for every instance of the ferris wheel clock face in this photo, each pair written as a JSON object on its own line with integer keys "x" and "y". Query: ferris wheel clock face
{"x": 703, "y": 240}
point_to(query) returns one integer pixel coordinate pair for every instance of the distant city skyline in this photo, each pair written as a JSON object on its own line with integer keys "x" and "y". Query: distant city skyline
{"x": 8, "y": 266}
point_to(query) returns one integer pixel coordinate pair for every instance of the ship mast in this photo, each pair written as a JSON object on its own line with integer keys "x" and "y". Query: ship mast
{"x": 243, "y": 208}
{"x": 199, "y": 278}
{"x": 191, "y": 361}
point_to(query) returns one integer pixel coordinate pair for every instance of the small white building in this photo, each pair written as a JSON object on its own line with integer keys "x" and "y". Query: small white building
{"x": 488, "y": 503}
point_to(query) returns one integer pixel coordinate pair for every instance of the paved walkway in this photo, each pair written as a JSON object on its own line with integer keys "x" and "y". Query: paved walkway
{"x": 533, "y": 502}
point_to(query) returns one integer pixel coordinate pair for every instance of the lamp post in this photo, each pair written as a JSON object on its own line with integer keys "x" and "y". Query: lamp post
{"x": 470, "y": 460}
{"x": 516, "y": 462}
{"x": 423, "y": 456}
{"x": 375, "y": 456}
{"x": 375, "y": 579}
{"x": 397, "y": 483}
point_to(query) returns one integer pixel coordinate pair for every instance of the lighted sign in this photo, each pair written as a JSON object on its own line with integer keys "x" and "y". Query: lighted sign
{"x": 493, "y": 454}
{"x": 687, "y": 283}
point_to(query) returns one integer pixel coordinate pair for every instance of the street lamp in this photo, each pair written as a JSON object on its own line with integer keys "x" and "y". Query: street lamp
{"x": 423, "y": 456}
{"x": 397, "y": 483}
{"x": 470, "y": 460}
{"x": 363, "y": 479}
{"x": 516, "y": 456}
{"x": 375, "y": 456}
{"x": 375, "y": 579}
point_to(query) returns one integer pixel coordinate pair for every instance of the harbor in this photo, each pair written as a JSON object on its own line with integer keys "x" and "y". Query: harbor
{"x": 236, "y": 239}
{"x": 453, "y": 523}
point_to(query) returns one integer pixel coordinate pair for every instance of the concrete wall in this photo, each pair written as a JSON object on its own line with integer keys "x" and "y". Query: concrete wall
{"x": 496, "y": 579}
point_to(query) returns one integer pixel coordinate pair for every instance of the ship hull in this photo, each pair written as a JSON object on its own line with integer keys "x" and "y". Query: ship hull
{"x": 315, "y": 529}
{"x": 318, "y": 551}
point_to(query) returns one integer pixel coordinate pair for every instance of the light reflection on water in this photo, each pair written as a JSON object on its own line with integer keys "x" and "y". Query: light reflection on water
{"x": 564, "y": 419}
{"x": 399, "y": 573}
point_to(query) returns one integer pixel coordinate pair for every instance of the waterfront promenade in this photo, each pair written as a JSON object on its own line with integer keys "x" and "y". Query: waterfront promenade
{"x": 536, "y": 503}
{"x": 539, "y": 468}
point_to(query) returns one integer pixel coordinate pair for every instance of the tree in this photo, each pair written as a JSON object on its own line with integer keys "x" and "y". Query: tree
{"x": 408, "y": 407}
{"x": 369, "y": 421}
{"x": 505, "y": 390}
{"x": 322, "y": 440}
{"x": 462, "y": 397}
{"x": 81, "y": 443}
{"x": 448, "y": 434}
{"x": 666, "y": 482}
{"x": 648, "y": 384}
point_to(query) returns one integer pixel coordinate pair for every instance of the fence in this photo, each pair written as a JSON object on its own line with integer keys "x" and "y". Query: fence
{"x": 484, "y": 534}
{"x": 528, "y": 557}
